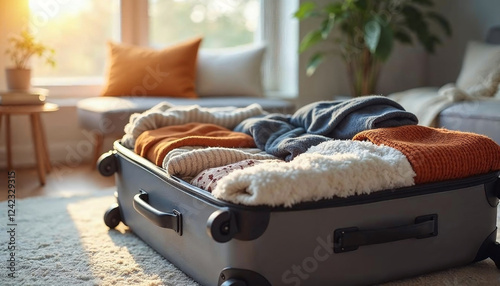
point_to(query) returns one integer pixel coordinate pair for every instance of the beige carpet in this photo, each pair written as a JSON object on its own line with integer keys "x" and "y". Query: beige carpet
{"x": 63, "y": 241}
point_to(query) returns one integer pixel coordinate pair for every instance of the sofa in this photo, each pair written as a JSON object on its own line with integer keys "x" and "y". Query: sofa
{"x": 472, "y": 103}
{"x": 139, "y": 78}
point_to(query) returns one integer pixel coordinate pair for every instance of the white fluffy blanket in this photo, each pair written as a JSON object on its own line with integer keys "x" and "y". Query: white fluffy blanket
{"x": 338, "y": 168}
{"x": 427, "y": 102}
{"x": 163, "y": 114}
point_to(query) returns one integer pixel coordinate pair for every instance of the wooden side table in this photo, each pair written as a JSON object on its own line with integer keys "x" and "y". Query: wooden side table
{"x": 39, "y": 139}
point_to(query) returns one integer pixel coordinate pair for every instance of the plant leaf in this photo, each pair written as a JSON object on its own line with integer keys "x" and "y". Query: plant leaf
{"x": 415, "y": 22}
{"x": 348, "y": 4}
{"x": 361, "y": 4}
{"x": 427, "y": 3}
{"x": 372, "y": 35}
{"x": 402, "y": 36}
{"x": 335, "y": 8}
{"x": 430, "y": 43}
{"x": 412, "y": 15}
{"x": 306, "y": 10}
{"x": 314, "y": 62}
{"x": 385, "y": 43}
{"x": 327, "y": 26}
{"x": 441, "y": 21}
{"x": 309, "y": 40}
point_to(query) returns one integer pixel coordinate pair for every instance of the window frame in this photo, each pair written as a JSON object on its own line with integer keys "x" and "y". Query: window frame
{"x": 278, "y": 30}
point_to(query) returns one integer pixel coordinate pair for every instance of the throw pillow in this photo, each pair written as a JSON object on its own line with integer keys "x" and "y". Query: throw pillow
{"x": 230, "y": 71}
{"x": 480, "y": 73}
{"x": 141, "y": 71}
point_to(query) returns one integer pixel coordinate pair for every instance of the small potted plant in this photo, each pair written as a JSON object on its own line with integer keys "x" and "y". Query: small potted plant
{"x": 21, "y": 48}
{"x": 364, "y": 32}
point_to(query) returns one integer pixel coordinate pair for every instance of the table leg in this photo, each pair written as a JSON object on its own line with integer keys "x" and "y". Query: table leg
{"x": 37, "y": 142}
{"x": 48, "y": 166}
{"x": 8, "y": 142}
{"x": 1, "y": 116}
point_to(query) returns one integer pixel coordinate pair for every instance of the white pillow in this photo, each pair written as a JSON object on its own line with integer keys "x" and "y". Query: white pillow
{"x": 480, "y": 73}
{"x": 230, "y": 71}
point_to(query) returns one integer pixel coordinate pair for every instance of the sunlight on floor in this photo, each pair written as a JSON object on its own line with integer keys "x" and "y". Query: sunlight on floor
{"x": 62, "y": 181}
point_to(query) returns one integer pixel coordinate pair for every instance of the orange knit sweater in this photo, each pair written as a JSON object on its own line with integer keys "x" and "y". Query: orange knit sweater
{"x": 439, "y": 154}
{"x": 155, "y": 144}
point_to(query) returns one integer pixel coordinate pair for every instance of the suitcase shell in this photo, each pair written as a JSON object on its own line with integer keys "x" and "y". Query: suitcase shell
{"x": 359, "y": 240}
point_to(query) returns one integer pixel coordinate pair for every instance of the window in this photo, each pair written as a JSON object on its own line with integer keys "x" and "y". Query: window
{"x": 223, "y": 23}
{"x": 79, "y": 30}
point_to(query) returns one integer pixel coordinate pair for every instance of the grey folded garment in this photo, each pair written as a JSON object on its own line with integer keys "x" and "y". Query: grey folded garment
{"x": 286, "y": 136}
{"x": 275, "y": 134}
{"x": 342, "y": 119}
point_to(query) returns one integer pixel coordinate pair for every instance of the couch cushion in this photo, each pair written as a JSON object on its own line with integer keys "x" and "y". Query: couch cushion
{"x": 482, "y": 117}
{"x": 109, "y": 115}
{"x": 233, "y": 71}
{"x": 480, "y": 72}
{"x": 140, "y": 71}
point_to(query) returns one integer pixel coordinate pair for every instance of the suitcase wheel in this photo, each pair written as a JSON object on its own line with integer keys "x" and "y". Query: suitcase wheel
{"x": 107, "y": 164}
{"x": 112, "y": 216}
{"x": 234, "y": 282}
{"x": 241, "y": 277}
{"x": 495, "y": 254}
{"x": 221, "y": 225}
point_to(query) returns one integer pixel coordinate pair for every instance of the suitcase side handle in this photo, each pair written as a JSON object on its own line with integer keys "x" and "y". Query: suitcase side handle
{"x": 349, "y": 239}
{"x": 171, "y": 220}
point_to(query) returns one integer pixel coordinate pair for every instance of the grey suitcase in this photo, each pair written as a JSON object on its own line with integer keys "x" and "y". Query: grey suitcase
{"x": 359, "y": 240}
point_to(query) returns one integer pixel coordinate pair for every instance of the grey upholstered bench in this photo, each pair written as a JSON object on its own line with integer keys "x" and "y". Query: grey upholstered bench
{"x": 482, "y": 117}
{"x": 107, "y": 116}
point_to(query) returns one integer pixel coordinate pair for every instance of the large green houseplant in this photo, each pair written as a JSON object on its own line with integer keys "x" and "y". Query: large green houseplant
{"x": 21, "y": 49}
{"x": 364, "y": 32}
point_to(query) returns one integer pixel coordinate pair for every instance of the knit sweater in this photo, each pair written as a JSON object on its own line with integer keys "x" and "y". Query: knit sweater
{"x": 188, "y": 162}
{"x": 164, "y": 114}
{"x": 155, "y": 144}
{"x": 439, "y": 154}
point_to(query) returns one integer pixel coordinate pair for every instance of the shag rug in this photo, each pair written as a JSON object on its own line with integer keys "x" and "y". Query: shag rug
{"x": 63, "y": 241}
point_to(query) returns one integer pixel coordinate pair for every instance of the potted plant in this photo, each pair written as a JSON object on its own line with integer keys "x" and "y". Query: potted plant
{"x": 21, "y": 48}
{"x": 364, "y": 32}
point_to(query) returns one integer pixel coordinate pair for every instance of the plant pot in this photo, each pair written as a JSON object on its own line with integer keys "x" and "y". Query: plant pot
{"x": 18, "y": 79}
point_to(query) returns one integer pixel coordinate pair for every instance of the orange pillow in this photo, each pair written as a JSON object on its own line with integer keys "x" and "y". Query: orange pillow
{"x": 140, "y": 71}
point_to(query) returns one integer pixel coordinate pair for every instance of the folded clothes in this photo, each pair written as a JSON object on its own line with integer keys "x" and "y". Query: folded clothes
{"x": 274, "y": 134}
{"x": 335, "y": 168}
{"x": 155, "y": 144}
{"x": 208, "y": 179}
{"x": 188, "y": 162}
{"x": 342, "y": 119}
{"x": 439, "y": 154}
{"x": 287, "y": 136}
{"x": 163, "y": 114}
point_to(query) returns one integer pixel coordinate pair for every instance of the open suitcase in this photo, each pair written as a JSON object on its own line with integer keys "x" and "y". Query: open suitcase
{"x": 359, "y": 240}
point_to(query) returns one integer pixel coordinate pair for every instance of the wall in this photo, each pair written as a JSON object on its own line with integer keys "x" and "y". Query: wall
{"x": 470, "y": 21}
{"x": 408, "y": 67}
{"x": 13, "y": 15}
